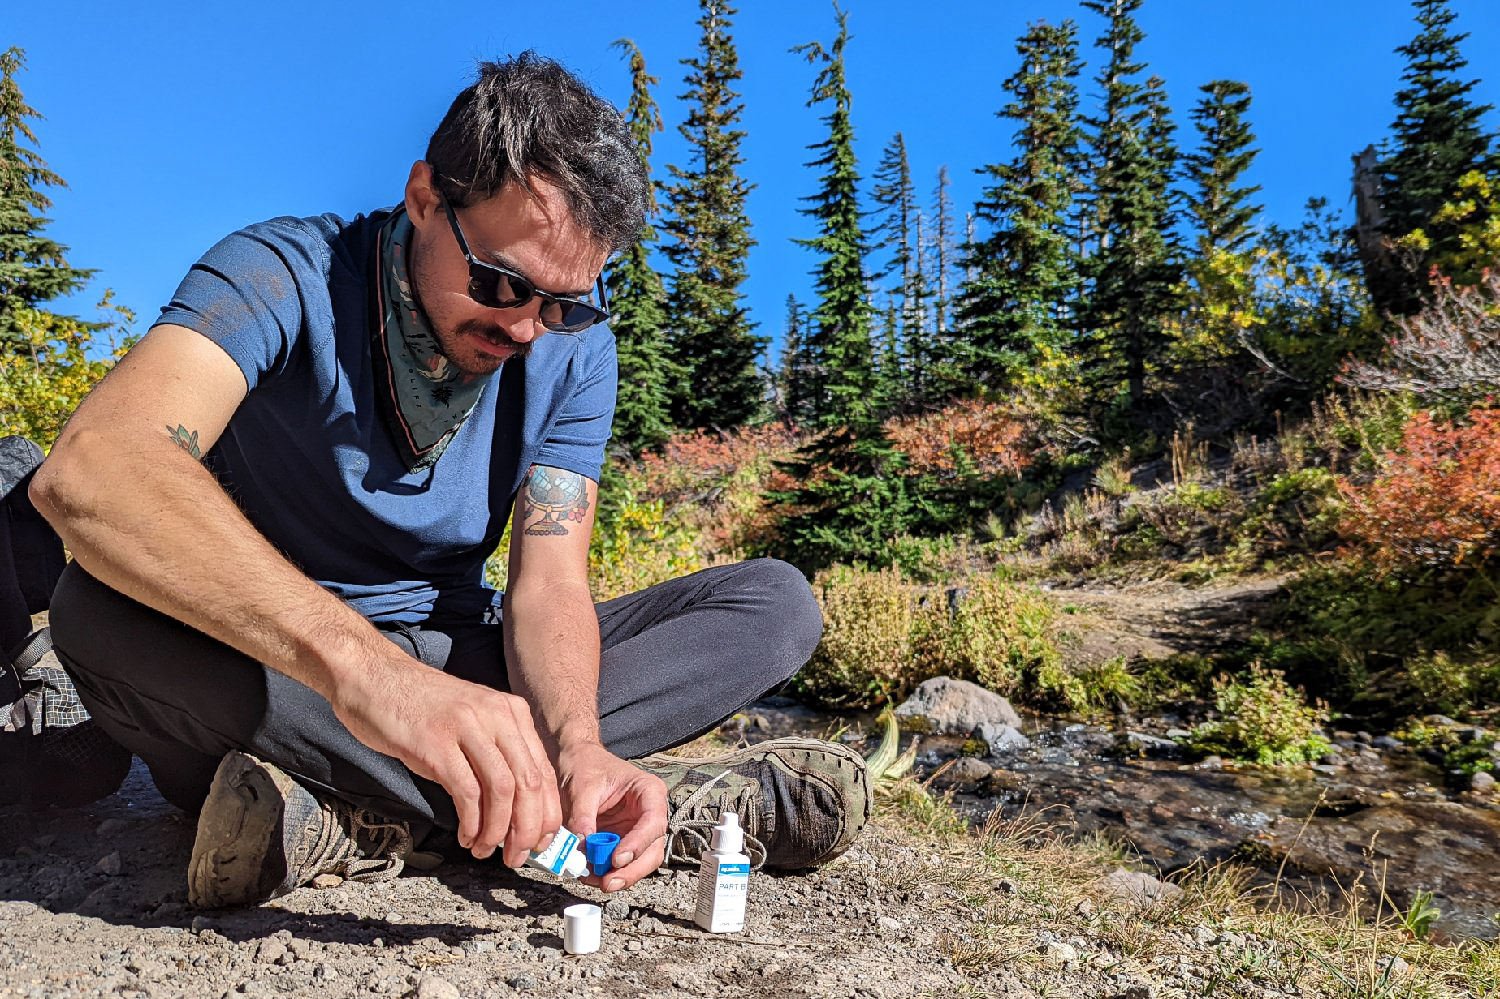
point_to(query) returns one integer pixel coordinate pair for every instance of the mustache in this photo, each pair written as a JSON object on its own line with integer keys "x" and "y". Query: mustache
{"x": 495, "y": 335}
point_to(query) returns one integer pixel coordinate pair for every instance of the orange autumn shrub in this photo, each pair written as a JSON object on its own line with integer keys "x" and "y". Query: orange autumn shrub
{"x": 716, "y": 481}
{"x": 986, "y": 432}
{"x": 1436, "y": 500}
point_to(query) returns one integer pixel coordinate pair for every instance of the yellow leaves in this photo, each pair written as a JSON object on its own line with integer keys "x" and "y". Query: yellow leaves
{"x": 45, "y": 371}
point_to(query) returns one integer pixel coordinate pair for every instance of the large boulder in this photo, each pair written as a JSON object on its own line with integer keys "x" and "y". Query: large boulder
{"x": 947, "y": 706}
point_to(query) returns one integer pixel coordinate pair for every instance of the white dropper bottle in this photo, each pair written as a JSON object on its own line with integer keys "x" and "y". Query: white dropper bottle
{"x": 724, "y": 878}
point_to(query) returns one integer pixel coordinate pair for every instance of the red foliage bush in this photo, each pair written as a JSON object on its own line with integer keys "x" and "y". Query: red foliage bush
{"x": 716, "y": 481}
{"x": 986, "y": 432}
{"x": 1436, "y": 501}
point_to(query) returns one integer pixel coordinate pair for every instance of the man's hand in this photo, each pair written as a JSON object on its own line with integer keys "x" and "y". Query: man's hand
{"x": 478, "y": 743}
{"x": 602, "y": 791}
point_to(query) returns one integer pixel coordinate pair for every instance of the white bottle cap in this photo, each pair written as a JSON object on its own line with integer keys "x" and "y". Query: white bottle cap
{"x": 581, "y": 928}
{"x": 575, "y": 866}
{"x": 728, "y": 836}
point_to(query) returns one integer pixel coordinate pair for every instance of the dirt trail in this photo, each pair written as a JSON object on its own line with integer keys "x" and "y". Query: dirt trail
{"x": 1158, "y": 618}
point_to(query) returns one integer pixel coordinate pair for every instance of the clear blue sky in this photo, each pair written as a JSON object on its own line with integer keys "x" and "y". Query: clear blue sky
{"x": 175, "y": 123}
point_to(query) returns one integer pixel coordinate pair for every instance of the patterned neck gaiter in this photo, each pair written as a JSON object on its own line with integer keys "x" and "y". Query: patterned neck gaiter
{"x": 423, "y": 398}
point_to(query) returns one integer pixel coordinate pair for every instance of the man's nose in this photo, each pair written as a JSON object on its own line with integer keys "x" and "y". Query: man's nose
{"x": 524, "y": 324}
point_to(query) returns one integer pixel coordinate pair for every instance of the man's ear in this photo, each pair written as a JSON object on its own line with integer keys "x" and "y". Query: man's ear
{"x": 421, "y": 194}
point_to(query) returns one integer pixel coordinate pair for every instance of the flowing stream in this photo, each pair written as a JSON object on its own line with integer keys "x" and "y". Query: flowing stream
{"x": 1378, "y": 816}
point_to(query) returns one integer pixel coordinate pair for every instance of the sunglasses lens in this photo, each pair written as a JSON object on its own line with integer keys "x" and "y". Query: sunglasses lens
{"x": 494, "y": 290}
{"x": 570, "y": 317}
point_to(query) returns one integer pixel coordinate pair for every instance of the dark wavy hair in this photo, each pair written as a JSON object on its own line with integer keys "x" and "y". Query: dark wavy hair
{"x": 529, "y": 117}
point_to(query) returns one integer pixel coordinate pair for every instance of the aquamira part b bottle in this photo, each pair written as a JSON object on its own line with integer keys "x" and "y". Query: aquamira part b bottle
{"x": 724, "y": 878}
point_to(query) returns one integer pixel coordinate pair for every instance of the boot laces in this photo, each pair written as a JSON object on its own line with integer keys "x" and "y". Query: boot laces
{"x": 337, "y": 849}
{"x": 690, "y": 829}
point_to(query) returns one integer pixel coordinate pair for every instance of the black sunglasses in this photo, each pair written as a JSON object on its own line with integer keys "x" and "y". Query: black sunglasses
{"x": 496, "y": 287}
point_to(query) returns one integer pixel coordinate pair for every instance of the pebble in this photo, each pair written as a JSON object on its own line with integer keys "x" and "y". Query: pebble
{"x": 522, "y": 983}
{"x": 433, "y": 987}
{"x": 110, "y": 865}
{"x": 1058, "y": 951}
{"x": 327, "y": 881}
{"x": 480, "y": 946}
{"x": 617, "y": 908}
{"x": 1483, "y": 782}
{"x": 270, "y": 951}
{"x": 890, "y": 924}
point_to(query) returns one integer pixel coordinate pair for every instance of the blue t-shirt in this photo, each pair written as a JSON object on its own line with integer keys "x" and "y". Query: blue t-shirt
{"x": 308, "y": 456}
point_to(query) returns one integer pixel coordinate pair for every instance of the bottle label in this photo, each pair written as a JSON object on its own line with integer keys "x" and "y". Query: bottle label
{"x": 557, "y": 852}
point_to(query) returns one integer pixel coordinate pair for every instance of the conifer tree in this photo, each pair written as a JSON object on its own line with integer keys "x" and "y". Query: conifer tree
{"x": 1023, "y": 271}
{"x": 797, "y": 377}
{"x": 842, "y": 317}
{"x": 1215, "y": 357}
{"x": 710, "y": 336}
{"x": 851, "y": 498}
{"x": 895, "y": 213}
{"x": 637, "y": 298}
{"x": 1438, "y": 138}
{"x": 1136, "y": 271}
{"x": 942, "y": 244}
{"x": 1222, "y": 210}
{"x": 33, "y": 268}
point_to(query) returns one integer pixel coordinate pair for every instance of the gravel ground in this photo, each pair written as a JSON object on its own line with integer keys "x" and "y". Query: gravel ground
{"x": 92, "y": 903}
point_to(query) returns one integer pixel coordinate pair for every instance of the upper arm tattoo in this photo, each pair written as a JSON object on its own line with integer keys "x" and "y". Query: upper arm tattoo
{"x": 550, "y": 497}
{"x": 187, "y": 440}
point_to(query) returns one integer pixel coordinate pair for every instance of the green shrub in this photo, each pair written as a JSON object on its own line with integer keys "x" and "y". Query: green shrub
{"x": 865, "y": 657}
{"x": 1000, "y": 634}
{"x": 1263, "y": 720}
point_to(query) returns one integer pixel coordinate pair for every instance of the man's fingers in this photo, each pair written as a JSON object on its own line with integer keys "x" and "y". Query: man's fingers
{"x": 647, "y": 798}
{"x": 532, "y": 774}
{"x": 497, "y": 789}
{"x": 457, "y": 778}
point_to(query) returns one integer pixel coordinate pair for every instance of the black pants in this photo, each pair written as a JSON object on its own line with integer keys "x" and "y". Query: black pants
{"x": 676, "y": 660}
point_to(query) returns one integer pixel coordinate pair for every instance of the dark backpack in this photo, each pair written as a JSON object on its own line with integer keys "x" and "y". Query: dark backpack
{"x": 51, "y": 752}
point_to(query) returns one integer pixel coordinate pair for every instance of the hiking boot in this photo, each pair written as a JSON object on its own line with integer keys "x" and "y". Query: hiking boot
{"x": 261, "y": 835}
{"x": 800, "y": 801}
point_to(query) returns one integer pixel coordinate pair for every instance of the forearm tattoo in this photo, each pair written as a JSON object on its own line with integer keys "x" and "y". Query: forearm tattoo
{"x": 187, "y": 440}
{"x": 550, "y": 498}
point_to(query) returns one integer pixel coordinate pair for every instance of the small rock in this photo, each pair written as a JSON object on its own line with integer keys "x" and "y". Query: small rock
{"x": 1137, "y": 887}
{"x": 617, "y": 908}
{"x": 328, "y": 971}
{"x": 1136, "y": 992}
{"x": 1204, "y": 935}
{"x": 110, "y": 827}
{"x": 964, "y": 771}
{"x": 110, "y": 865}
{"x": 1058, "y": 951}
{"x": 201, "y": 923}
{"x": 946, "y": 705}
{"x": 1483, "y": 782}
{"x": 1151, "y": 745}
{"x": 1394, "y": 967}
{"x": 1001, "y": 738}
{"x": 327, "y": 881}
{"x": 1326, "y": 768}
{"x": 889, "y": 924}
{"x": 523, "y": 982}
{"x": 270, "y": 951}
{"x": 433, "y": 987}
{"x": 1085, "y": 907}
{"x": 1386, "y": 742}
{"x": 1211, "y": 763}
{"x": 479, "y": 946}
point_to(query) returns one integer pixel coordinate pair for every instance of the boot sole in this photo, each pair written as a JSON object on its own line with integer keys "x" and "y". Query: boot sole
{"x": 238, "y": 838}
